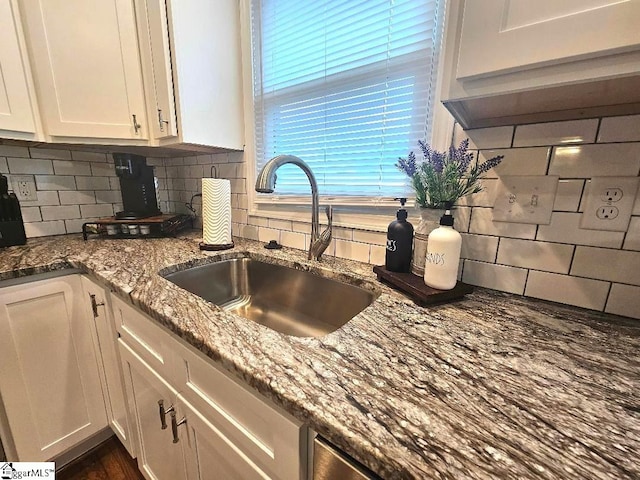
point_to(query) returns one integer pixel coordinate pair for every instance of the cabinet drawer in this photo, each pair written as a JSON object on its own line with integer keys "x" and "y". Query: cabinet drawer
{"x": 271, "y": 438}
{"x": 144, "y": 337}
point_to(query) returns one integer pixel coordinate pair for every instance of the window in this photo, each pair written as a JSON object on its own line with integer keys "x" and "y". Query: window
{"x": 345, "y": 85}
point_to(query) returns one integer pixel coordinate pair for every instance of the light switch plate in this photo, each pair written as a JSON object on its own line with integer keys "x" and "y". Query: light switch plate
{"x": 609, "y": 203}
{"x": 525, "y": 199}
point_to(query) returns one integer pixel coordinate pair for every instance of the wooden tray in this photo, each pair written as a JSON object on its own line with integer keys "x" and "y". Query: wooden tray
{"x": 416, "y": 289}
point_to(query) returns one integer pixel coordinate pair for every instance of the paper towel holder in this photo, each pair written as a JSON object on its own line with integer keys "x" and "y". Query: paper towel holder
{"x": 215, "y": 247}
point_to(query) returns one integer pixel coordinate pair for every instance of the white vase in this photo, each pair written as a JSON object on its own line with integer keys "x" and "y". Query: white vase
{"x": 429, "y": 221}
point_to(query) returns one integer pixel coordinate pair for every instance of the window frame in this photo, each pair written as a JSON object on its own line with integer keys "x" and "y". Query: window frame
{"x": 364, "y": 213}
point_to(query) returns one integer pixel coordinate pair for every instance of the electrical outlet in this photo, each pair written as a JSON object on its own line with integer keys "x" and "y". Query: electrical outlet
{"x": 24, "y": 186}
{"x": 525, "y": 199}
{"x": 609, "y": 203}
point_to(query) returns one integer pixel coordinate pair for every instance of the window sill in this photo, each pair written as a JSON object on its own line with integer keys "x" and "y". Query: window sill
{"x": 368, "y": 215}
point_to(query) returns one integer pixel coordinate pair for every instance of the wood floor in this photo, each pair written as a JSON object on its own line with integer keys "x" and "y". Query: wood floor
{"x": 108, "y": 461}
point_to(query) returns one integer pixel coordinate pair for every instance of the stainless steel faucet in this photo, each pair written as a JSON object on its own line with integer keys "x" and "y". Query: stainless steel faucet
{"x": 266, "y": 183}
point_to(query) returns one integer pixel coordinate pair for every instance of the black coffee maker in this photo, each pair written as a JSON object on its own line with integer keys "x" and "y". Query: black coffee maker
{"x": 138, "y": 187}
{"x": 11, "y": 225}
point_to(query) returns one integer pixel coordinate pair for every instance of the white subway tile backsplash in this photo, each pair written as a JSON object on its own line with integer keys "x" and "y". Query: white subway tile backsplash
{"x": 581, "y": 292}
{"x": 482, "y": 223}
{"x": 618, "y": 266}
{"x": 485, "y": 198}
{"x": 44, "y": 198}
{"x": 479, "y": 247}
{"x": 518, "y": 161}
{"x": 378, "y": 255}
{"x": 155, "y": 161}
{"x": 114, "y": 183}
{"x": 342, "y": 233}
{"x": 266, "y": 234}
{"x": 260, "y": 221}
{"x": 498, "y": 277}
{"x": 30, "y": 166}
{"x": 56, "y": 182}
{"x": 568, "y": 195}
{"x": 293, "y": 240}
{"x": 632, "y": 239}
{"x": 280, "y": 224}
{"x": 14, "y": 151}
{"x": 565, "y": 228}
{"x": 4, "y": 166}
{"x": 462, "y": 219}
{"x": 77, "y": 197}
{"x": 248, "y": 231}
{"x": 42, "y": 229}
{"x": 239, "y": 216}
{"x": 93, "y": 183}
{"x": 75, "y": 225}
{"x": 352, "y": 250}
{"x": 67, "y": 167}
{"x": 113, "y": 196}
{"x": 556, "y": 133}
{"x": 624, "y": 300}
{"x": 620, "y": 129}
{"x": 549, "y": 257}
{"x": 238, "y": 185}
{"x": 50, "y": 153}
{"x": 484, "y": 138}
{"x": 99, "y": 169}
{"x": 586, "y": 161}
{"x": 62, "y": 212}
{"x": 90, "y": 156}
{"x": 30, "y": 214}
{"x": 302, "y": 227}
{"x": 372, "y": 238}
{"x": 94, "y": 211}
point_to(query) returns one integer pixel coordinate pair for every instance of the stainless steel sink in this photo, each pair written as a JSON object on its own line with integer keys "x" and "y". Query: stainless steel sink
{"x": 284, "y": 299}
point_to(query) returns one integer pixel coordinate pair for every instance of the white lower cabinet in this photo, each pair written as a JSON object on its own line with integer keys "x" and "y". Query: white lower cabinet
{"x": 98, "y": 306}
{"x": 153, "y": 400}
{"x": 49, "y": 380}
{"x": 217, "y": 428}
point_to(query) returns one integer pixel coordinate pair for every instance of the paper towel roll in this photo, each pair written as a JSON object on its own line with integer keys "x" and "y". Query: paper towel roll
{"x": 216, "y": 212}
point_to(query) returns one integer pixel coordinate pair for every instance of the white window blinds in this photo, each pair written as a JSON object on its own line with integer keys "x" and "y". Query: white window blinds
{"x": 345, "y": 85}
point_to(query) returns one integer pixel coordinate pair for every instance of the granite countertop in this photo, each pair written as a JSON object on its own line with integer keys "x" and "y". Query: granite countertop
{"x": 493, "y": 386}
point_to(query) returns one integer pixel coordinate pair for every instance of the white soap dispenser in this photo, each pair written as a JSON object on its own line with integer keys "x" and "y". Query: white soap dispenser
{"x": 443, "y": 254}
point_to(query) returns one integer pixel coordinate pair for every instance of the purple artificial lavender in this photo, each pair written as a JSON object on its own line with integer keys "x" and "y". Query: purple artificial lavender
{"x": 408, "y": 165}
{"x": 489, "y": 164}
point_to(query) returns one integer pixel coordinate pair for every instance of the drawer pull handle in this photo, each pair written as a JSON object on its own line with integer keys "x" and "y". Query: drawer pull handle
{"x": 175, "y": 424}
{"x": 95, "y": 305}
{"x": 163, "y": 413}
{"x": 161, "y": 121}
{"x": 136, "y": 125}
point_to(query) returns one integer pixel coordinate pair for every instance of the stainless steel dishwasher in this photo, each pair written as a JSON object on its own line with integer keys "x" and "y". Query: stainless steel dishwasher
{"x": 329, "y": 463}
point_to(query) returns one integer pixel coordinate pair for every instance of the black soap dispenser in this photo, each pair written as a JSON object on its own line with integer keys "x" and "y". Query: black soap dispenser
{"x": 399, "y": 242}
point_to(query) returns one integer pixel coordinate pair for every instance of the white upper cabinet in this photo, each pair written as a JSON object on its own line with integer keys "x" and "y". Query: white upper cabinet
{"x": 518, "y": 61}
{"x": 17, "y": 107}
{"x": 192, "y": 68}
{"x": 87, "y": 68}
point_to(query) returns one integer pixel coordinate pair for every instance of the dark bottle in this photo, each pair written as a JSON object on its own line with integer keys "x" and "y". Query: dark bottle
{"x": 399, "y": 242}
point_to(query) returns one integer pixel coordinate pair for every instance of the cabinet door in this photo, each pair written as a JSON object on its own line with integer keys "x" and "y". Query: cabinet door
{"x": 85, "y": 59}
{"x": 510, "y": 35}
{"x": 209, "y": 454}
{"x": 158, "y": 457}
{"x": 155, "y": 51}
{"x": 97, "y": 306}
{"x": 49, "y": 377}
{"x": 16, "y": 110}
